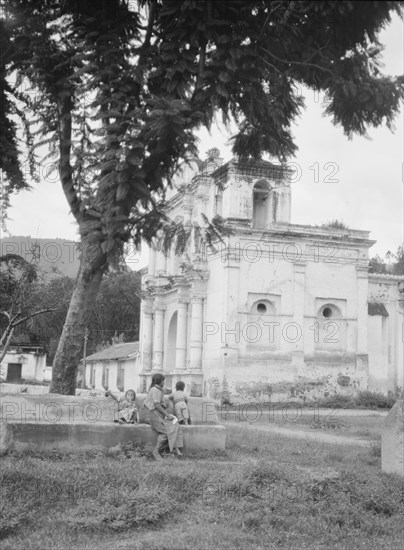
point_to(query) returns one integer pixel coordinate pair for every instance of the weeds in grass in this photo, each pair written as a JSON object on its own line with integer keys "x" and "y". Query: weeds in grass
{"x": 375, "y": 449}
{"x": 11, "y": 519}
{"x": 329, "y": 424}
{"x": 283, "y": 494}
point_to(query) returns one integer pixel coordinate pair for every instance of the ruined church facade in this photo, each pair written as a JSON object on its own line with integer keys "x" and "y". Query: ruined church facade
{"x": 271, "y": 308}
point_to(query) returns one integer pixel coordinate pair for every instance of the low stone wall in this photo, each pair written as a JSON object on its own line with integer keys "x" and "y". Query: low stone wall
{"x": 55, "y": 408}
{"x": 68, "y": 423}
{"x": 104, "y": 436}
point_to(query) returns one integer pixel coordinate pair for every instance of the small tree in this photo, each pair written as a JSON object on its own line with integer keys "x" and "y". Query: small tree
{"x": 377, "y": 265}
{"x": 47, "y": 329}
{"x": 392, "y": 263}
{"x": 18, "y": 287}
{"x": 398, "y": 265}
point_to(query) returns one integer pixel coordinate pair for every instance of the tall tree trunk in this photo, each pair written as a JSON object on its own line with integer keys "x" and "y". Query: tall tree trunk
{"x": 69, "y": 350}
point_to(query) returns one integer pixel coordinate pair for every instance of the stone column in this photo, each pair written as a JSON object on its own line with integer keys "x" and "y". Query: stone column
{"x": 158, "y": 337}
{"x": 161, "y": 262}
{"x": 284, "y": 205}
{"x": 147, "y": 338}
{"x": 298, "y": 316}
{"x": 152, "y": 262}
{"x": 187, "y": 209}
{"x": 362, "y": 304}
{"x": 196, "y": 332}
{"x": 181, "y": 344}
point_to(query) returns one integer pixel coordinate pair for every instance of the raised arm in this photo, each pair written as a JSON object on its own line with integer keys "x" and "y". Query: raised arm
{"x": 110, "y": 394}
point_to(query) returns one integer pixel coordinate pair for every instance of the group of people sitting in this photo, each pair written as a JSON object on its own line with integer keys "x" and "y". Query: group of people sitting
{"x": 167, "y": 426}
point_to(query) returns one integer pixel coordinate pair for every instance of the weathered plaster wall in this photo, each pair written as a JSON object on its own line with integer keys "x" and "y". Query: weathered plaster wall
{"x": 385, "y": 335}
{"x": 33, "y": 365}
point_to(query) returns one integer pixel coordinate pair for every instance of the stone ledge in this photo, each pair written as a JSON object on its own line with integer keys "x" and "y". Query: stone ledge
{"x": 68, "y": 437}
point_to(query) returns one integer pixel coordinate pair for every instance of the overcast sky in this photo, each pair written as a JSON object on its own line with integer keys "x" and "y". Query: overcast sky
{"x": 362, "y": 184}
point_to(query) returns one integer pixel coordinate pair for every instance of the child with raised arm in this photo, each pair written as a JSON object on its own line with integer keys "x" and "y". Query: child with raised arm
{"x": 127, "y": 410}
{"x": 180, "y": 403}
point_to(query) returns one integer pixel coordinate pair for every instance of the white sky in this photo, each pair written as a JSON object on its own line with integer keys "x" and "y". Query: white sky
{"x": 369, "y": 173}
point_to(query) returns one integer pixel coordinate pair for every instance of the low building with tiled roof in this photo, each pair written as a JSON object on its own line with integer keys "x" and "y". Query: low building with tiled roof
{"x": 114, "y": 368}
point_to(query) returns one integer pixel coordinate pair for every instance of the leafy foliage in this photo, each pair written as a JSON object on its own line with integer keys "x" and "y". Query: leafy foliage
{"x": 392, "y": 263}
{"x": 117, "y": 309}
{"x": 117, "y": 96}
{"x": 364, "y": 400}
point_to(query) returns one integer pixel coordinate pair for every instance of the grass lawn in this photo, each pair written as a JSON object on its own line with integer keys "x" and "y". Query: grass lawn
{"x": 265, "y": 491}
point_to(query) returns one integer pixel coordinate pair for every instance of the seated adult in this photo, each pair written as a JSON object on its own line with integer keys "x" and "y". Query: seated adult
{"x": 166, "y": 426}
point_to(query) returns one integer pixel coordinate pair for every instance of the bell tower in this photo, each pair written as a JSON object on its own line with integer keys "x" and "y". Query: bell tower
{"x": 254, "y": 193}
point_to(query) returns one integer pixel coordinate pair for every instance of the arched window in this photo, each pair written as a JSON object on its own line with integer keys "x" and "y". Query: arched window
{"x": 260, "y": 204}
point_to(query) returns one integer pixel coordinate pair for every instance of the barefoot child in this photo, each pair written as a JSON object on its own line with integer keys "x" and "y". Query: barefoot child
{"x": 127, "y": 411}
{"x": 180, "y": 403}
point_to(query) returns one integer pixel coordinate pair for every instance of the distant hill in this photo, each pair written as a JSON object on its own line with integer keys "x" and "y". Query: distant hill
{"x": 56, "y": 256}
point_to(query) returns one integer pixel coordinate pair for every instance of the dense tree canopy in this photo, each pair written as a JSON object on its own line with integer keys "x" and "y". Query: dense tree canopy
{"x": 116, "y": 90}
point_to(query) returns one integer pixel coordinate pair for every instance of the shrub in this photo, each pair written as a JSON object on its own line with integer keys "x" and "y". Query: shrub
{"x": 336, "y": 224}
{"x": 337, "y": 401}
{"x": 374, "y": 400}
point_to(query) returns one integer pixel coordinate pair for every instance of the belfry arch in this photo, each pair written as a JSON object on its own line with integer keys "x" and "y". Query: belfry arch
{"x": 261, "y": 204}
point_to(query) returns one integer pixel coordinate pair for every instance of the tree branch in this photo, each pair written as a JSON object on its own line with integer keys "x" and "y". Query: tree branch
{"x": 304, "y": 63}
{"x": 31, "y": 315}
{"x": 6, "y": 345}
{"x": 65, "y": 106}
{"x": 4, "y": 336}
{"x": 149, "y": 30}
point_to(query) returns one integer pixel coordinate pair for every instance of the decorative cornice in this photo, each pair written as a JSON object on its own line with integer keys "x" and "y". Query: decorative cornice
{"x": 252, "y": 168}
{"x": 304, "y": 232}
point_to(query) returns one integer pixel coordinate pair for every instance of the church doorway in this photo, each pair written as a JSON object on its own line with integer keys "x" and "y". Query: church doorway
{"x": 171, "y": 343}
